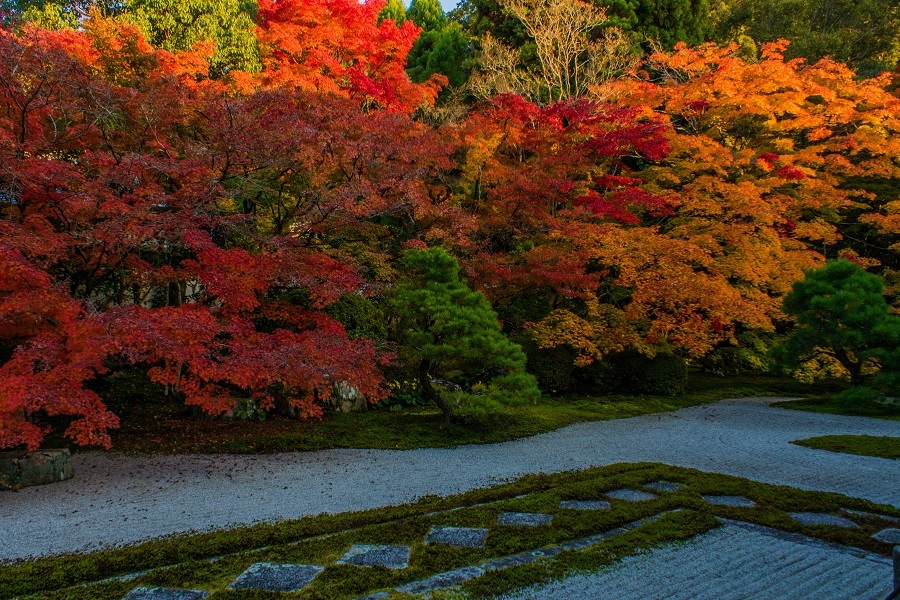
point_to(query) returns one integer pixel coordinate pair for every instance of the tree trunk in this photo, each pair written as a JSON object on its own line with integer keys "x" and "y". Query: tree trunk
{"x": 431, "y": 394}
{"x": 854, "y": 367}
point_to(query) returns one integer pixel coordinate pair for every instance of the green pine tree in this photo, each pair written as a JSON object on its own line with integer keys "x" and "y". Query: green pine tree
{"x": 841, "y": 313}
{"x": 427, "y": 14}
{"x": 451, "y": 332}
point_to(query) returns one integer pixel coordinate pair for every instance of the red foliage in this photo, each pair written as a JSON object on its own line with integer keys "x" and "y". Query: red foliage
{"x": 338, "y": 46}
{"x": 117, "y": 245}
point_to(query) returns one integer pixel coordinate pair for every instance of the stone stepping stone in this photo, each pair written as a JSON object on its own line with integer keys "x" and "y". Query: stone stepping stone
{"x": 463, "y": 574}
{"x": 442, "y": 580}
{"x": 738, "y": 501}
{"x": 524, "y": 519}
{"x": 630, "y": 495}
{"x": 274, "y": 577}
{"x": 464, "y": 537}
{"x": 365, "y": 555}
{"x": 584, "y": 504}
{"x": 162, "y": 593}
{"x": 888, "y": 536}
{"x": 863, "y": 513}
{"x": 663, "y": 486}
{"x": 814, "y": 518}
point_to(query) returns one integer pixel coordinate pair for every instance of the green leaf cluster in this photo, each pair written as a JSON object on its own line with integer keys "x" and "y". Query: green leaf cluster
{"x": 862, "y": 33}
{"x": 427, "y": 14}
{"x": 443, "y": 51}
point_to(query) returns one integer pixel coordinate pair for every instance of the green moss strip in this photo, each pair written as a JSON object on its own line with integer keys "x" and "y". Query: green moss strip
{"x": 864, "y": 445}
{"x": 148, "y": 428}
{"x": 210, "y": 561}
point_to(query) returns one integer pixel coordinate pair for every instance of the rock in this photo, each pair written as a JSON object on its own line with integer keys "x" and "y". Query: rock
{"x": 276, "y": 577}
{"x": 346, "y": 399}
{"x": 161, "y": 593}
{"x": 365, "y": 555}
{"x": 24, "y": 469}
{"x": 814, "y": 518}
{"x": 630, "y": 495}
{"x": 524, "y": 519}
{"x": 584, "y": 504}
{"x": 888, "y": 536}
{"x": 738, "y": 501}
{"x": 663, "y": 486}
{"x": 457, "y": 536}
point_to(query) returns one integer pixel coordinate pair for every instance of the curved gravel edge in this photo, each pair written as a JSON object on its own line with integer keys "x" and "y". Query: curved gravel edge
{"x": 117, "y": 499}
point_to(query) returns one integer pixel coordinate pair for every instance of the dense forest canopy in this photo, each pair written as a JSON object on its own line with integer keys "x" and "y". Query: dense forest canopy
{"x": 235, "y": 197}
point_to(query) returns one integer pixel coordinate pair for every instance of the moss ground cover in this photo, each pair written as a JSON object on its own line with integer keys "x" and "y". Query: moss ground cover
{"x": 865, "y": 445}
{"x": 835, "y": 405}
{"x": 210, "y": 561}
{"x": 147, "y": 427}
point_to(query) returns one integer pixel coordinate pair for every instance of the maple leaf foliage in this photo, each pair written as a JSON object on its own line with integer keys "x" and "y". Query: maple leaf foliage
{"x": 339, "y": 46}
{"x": 686, "y": 206}
{"x": 129, "y": 236}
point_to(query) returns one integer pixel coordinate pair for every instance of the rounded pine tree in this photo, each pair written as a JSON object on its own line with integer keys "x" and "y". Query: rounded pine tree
{"x": 841, "y": 313}
{"x": 448, "y": 330}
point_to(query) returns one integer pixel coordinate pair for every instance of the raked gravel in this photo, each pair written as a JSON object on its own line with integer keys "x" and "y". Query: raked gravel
{"x": 117, "y": 499}
{"x": 729, "y": 563}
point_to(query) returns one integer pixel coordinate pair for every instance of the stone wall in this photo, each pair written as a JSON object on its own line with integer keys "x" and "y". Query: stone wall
{"x": 23, "y": 469}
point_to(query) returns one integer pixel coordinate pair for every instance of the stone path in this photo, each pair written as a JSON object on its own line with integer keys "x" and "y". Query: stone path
{"x": 733, "y": 562}
{"x": 115, "y": 499}
{"x": 734, "y": 556}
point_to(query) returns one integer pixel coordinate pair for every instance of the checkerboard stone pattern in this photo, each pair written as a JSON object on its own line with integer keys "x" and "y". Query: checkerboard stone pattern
{"x": 524, "y": 519}
{"x": 276, "y": 577}
{"x": 738, "y": 501}
{"x": 365, "y": 555}
{"x": 584, "y": 504}
{"x": 813, "y": 518}
{"x": 162, "y": 593}
{"x": 630, "y": 495}
{"x": 457, "y": 536}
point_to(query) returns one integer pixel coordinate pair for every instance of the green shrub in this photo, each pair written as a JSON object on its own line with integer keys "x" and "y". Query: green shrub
{"x": 552, "y": 367}
{"x": 858, "y": 397}
{"x": 360, "y": 317}
{"x": 724, "y": 362}
{"x": 663, "y": 375}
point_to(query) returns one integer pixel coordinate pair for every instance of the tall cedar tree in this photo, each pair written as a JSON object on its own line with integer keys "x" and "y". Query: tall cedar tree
{"x": 427, "y": 14}
{"x": 449, "y": 328}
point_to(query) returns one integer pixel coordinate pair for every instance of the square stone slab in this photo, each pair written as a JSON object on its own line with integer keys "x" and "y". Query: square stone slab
{"x": 276, "y": 577}
{"x": 161, "y": 593}
{"x": 663, "y": 486}
{"x": 584, "y": 504}
{"x": 738, "y": 501}
{"x": 814, "y": 518}
{"x": 457, "y": 536}
{"x": 888, "y": 536}
{"x": 525, "y": 519}
{"x": 630, "y": 495}
{"x": 364, "y": 555}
